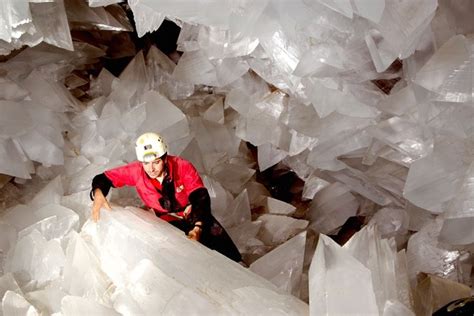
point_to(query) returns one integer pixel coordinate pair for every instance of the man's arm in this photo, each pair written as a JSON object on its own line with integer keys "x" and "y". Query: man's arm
{"x": 100, "y": 188}
{"x": 102, "y": 183}
{"x": 199, "y": 213}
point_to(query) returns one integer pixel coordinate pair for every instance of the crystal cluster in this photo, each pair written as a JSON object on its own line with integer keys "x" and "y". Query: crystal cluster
{"x": 369, "y": 103}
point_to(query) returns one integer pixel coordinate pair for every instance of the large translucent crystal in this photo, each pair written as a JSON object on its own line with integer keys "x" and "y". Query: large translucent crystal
{"x": 277, "y": 229}
{"x": 158, "y": 256}
{"x": 459, "y": 218}
{"x": 380, "y": 256}
{"x": 426, "y": 254}
{"x": 333, "y": 274}
{"x": 375, "y": 96}
{"x": 15, "y": 304}
{"x": 447, "y": 60}
{"x": 331, "y": 207}
{"x": 236, "y": 213}
{"x": 283, "y": 265}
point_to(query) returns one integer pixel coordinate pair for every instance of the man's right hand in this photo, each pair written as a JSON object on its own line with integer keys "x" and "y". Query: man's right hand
{"x": 99, "y": 202}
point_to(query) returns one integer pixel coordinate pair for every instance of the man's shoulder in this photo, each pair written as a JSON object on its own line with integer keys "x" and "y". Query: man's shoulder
{"x": 180, "y": 162}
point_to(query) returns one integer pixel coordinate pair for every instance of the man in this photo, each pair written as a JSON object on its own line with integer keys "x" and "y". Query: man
{"x": 172, "y": 188}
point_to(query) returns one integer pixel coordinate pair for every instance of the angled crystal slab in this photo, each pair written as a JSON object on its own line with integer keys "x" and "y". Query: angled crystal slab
{"x": 146, "y": 19}
{"x": 160, "y": 70}
{"x": 224, "y": 283}
{"x": 302, "y": 118}
{"x": 394, "y": 308}
{"x": 402, "y": 24}
{"x": 358, "y": 182}
{"x": 312, "y": 186}
{"x": 404, "y": 136}
{"x": 132, "y": 85}
{"x": 343, "y": 7}
{"x": 194, "y": 67}
{"x": 426, "y": 254}
{"x": 380, "y": 256}
{"x": 371, "y": 10}
{"x": 35, "y": 259}
{"x": 41, "y": 148}
{"x": 281, "y": 49}
{"x": 391, "y": 222}
{"x": 339, "y": 135}
{"x": 232, "y": 176}
{"x": 244, "y": 236}
{"x": 298, "y": 143}
{"x": 214, "y": 138}
{"x": 257, "y": 193}
{"x": 11, "y": 91}
{"x": 207, "y": 13}
{"x": 452, "y": 117}
{"x": 381, "y": 50}
{"x": 154, "y": 290}
{"x": 269, "y": 155}
{"x": 101, "y": 85}
{"x": 277, "y": 229}
{"x": 326, "y": 99}
{"x": 66, "y": 220}
{"x": 236, "y": 213}
{"x": 220, "y": 197}
{"x": 260, "y": 129}
{"x": 274, "y": 206}
{"x": 161, "y": 117}
{"x": 335, "y": 274}
{"x": 320, "y": 60}
{"x": 229, "y": 70}
{"x": 8, "y": 283}
{"x": 15, "y": 304}
{"x": 81, "y": 260}
{"x": 47, "y": 300}
{"x": 398, "y": 102}
{"x": 434, "y": 180}
{"x": 268, "y": 70}
{"x": 14, "y": 121}
{"x": 215, "y": 113}
{"x": 83, "y": 17}
{"x": 331, "y": 207}
{"x": 8, "y": 238}
{"x": 193, "y": 153}
{"x": 459, "y": 218}
{"x": 5, "y": 22}
{"x": 283, "y": 266}
{"x": 221, "y": 43}
{"x": 19, "y": 217}
{"x": 59, "y": 99}
{"x": 447, "y": 60}
{"x": 457, "y": 15}
{"x": 75, "y": 305}
{"x": 51, "y": 21}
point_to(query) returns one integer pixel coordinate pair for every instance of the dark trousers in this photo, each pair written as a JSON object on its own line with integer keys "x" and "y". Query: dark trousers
{"x": 214, "y": 237}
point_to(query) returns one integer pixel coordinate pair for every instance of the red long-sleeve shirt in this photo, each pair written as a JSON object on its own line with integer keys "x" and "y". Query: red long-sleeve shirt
{"x": 185, "y": 177}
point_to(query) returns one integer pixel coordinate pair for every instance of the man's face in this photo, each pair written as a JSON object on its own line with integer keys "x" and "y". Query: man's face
{"x": 155, "y": 168}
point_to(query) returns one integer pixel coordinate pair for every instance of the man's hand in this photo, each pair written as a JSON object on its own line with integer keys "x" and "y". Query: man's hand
{"x": 99, "y": 202}
{"x": 195, "y": 233}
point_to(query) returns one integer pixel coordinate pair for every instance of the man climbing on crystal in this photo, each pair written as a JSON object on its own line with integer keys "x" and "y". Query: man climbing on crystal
{"x": 173, "y": 190}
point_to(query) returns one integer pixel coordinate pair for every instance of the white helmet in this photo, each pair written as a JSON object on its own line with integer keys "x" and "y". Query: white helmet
{"x": 150, "y": 146}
